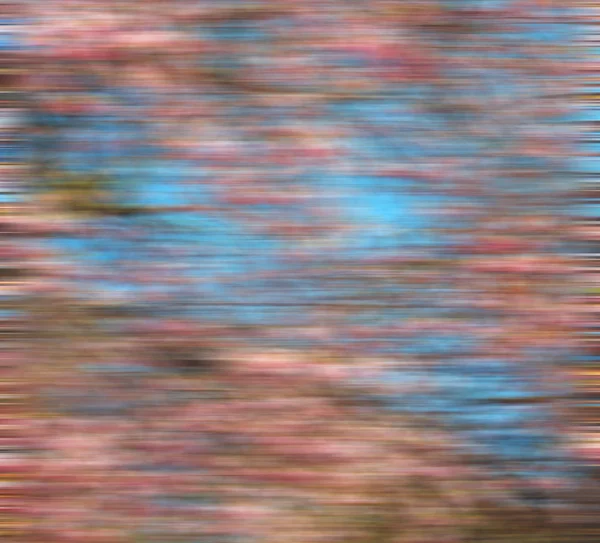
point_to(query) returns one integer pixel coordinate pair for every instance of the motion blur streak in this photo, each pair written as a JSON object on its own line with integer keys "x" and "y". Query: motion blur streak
{"x": 313, "y": 271}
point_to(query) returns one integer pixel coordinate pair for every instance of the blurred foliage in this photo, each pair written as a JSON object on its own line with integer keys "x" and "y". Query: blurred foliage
{"x": 295, "y": 446}
{"x": 86, "y": 195}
